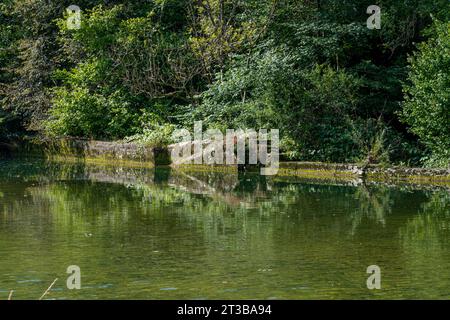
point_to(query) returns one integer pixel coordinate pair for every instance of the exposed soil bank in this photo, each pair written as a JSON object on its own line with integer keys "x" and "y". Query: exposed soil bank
{"x": 137, "y": 155}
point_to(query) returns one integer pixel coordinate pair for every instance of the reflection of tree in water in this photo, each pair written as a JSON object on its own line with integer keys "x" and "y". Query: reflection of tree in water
{"x": 227, "y": 221}
{"x": 162, "y": 175}
{"x": 432, "y": 224}
{"x": 208, "y": 193}
{"x": 425, "y": 239}
{"x": 374, "y": 203}
{"x": 439, "y": 205}
{"x": 249, "y": 183}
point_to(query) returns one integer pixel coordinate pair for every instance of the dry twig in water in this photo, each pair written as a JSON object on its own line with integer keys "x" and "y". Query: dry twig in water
{"x": 45, "y": 293}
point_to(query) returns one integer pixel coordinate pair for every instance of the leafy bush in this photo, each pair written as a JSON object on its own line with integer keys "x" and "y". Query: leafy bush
{"x": 309, "y": 68}
{"x": 154, "y": 135}
{"x": 427, "y": 95}
{"x": 312, "y": 107}
{"x": 77, "y": 112}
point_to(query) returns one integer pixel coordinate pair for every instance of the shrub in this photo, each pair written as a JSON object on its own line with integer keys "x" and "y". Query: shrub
{"x": 427, "y": 96}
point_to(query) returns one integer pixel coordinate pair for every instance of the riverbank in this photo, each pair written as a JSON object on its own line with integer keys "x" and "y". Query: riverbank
{"x": 137, "y": 155}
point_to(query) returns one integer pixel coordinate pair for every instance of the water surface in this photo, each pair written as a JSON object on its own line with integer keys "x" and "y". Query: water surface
{"x": 163, "y": 234}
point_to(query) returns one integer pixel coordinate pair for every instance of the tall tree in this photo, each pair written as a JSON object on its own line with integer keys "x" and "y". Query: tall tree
{"x": 427, "y": 96}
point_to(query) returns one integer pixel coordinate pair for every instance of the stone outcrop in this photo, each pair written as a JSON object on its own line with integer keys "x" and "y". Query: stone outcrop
{"x": 89, "y": 149}
{"x": 138, "y": 155}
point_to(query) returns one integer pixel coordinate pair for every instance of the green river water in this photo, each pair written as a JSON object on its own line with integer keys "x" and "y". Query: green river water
{"x": 165, "y": 234}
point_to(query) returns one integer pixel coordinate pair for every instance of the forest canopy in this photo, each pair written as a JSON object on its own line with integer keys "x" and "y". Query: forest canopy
{"x": 136, "y": 70}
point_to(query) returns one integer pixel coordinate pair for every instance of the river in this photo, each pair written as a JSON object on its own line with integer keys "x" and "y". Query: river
{"x": 167, "y": 234}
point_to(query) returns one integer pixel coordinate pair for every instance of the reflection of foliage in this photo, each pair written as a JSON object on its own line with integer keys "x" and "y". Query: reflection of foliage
{"x": 202, "y": 195}
{"x": 425, "y": 239}
{"x": 439, "y": 205}
{"x": 198, "y": 228}
{"x": 374, "y": 204}
{"x": 432, "y": 225}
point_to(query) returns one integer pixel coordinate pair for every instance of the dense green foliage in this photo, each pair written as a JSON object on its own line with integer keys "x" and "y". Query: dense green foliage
{"x": 427, "y": 104}
{"x": 137, "y": 69}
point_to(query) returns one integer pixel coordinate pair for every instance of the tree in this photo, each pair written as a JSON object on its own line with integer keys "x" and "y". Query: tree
{"x": 427, "y": 96}
{"x": 219, "y": 28}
